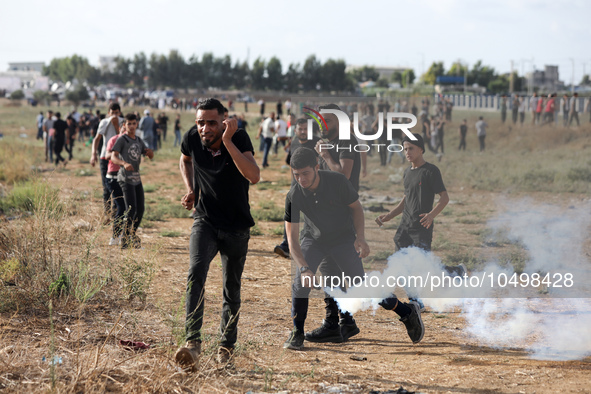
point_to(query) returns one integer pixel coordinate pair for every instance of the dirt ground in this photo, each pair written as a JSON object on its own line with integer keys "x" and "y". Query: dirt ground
{"x": 447, "y": 360}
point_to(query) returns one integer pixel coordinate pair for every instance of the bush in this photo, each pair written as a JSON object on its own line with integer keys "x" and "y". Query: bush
{"x": 32, "y": 196}
{"x": 17, "y": 95}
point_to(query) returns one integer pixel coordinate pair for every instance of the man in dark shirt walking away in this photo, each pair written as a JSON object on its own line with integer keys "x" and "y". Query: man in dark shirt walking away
{"x": 334, "y": 228}
{"x": 59, "y": 139}
{"x": 217, "y": 165}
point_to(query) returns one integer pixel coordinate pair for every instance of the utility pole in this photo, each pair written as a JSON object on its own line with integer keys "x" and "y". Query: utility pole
{"x": 511, "y": 79}
{"x": 572, "y": 86}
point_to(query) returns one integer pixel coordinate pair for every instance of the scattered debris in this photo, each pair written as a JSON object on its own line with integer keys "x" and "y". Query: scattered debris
{"x": 358, "y": 358}
{"x": 130, "y": 345}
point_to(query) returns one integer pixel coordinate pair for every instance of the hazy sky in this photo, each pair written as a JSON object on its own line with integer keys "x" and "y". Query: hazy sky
{"x": 392, "y": 33}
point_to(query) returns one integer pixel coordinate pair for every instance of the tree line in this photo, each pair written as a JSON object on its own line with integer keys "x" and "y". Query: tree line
{"x": 173, "y": 71}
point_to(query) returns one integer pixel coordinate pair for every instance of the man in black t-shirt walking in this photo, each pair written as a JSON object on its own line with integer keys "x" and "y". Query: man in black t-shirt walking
{"x": 217, "y": 166}
{"x": 334, "y": 228}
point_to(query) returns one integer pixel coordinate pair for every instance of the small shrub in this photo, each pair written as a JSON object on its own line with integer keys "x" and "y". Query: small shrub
{"x": 170, "y": 233}
{"x": 578, "y": 174}
{"x": 136, "y": 278}
{"x": 255, "y": 230}
{"x": 278, "y": 230}
{"x": 61, "y": 286}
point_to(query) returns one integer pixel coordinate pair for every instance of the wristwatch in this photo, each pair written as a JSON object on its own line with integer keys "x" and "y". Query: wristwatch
{"x": 304, "y": 269}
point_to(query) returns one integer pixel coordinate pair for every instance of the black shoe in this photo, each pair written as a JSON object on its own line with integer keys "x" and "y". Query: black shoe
{"x": 459, "y": 270}
{"x": 414, "y": 324}
{"x": 283, "y": 252}
{"x": 348, "y": 330}
{"x": 295, "y": 340}
{"x": 325, "y": 334}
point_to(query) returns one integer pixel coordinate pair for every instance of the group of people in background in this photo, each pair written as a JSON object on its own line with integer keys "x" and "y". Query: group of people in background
{"x": 545, "y": 110}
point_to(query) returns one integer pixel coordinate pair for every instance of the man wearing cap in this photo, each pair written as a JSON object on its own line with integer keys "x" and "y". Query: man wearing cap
{"x": 147, "y": 128}
{"x": 422, "y": 181}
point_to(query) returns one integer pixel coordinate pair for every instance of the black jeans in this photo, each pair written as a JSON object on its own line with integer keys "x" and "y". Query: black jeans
{"x": 133, "y": 196}
{"x": 420, "y": 238}
{"x": 58, "y": 146}
{"x": 206, "y": 241}
{"x": 481, "y": 139}
{"x": 118, "y": 199}
{"x": 343, "y": 259}
{"x": 104, "y": 164}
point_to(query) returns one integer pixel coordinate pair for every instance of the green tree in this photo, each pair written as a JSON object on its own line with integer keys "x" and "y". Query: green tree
{"x": 139, "y": 68}
{"x": 122, "y": 72}
{"x": 158, "y": 71}
{"x": 195, "y": 72}
{"x": 293, "y": 78}
{"x": 585, "y": 80}
{"x": 458, "y": 69}
{"x": 41, "y": 96}
{"x": 17, "y": 95}
{"x": 312, "y": 73}
{"x": 396, "y": 77}
{"x": 408, "y": 77}
{"x": 364, "y": 74}
{"x": 69, "y": 68}
{"x": 177, "y": 69}
{"x": 499, "y": 85}
{"x": 481, "y": 75}
{"x": 274, "y": 74}
{"x": 382, "y": 83}
{"x": 334, "y": 77}
{"x": 435, "y": 70}
{"x": 77, "y": 95}
{"x": 241, "y": 75}
{"x": 257, "y": 74}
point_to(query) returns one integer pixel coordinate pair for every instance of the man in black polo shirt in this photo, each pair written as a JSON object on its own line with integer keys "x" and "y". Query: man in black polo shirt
{"x": 334, "y": 228}
{"x": 341, "y": 157}
{"x": 217, "y": 164}
{"x": 301, "y": 139}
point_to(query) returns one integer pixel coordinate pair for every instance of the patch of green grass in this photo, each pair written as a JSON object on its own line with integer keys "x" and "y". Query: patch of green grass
{"x": 579, "y": 174}
{"x": 268, "y": 215}
{"x": 467, "y": 258}
{"x": 150, "y": 188}
{"x": 32, "y": 196}
{"x": 278, "y": 230}
{"x": 255, "y": 230}
{"x": 170, "y": 233}
{"x": 164, "y": 210}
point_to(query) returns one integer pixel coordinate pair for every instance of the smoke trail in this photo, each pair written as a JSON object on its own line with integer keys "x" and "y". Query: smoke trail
{"x": 549, "y": 328}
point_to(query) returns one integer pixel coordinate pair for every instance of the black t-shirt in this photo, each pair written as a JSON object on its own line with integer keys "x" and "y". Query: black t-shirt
{"x": 463, "y": 130}
{"x": 177, "y": 124}
{"x": 327, "y": 215}
{"x": 420, "y": 187}
{"x": 60, "y": 127}
{"x": 340, "y": 151}
{"x": 221, "y": 189}
{"x": 295, "y": 144}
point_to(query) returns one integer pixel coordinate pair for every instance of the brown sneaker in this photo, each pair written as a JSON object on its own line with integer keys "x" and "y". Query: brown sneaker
{"x": 188, "y": 356}
{"x": 225, "y": 355}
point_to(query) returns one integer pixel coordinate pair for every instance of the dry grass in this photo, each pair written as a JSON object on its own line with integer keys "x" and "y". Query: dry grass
{"x": 65, "y": 296}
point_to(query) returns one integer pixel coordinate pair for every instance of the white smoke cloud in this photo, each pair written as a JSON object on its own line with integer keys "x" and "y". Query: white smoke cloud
{"x": 550, "y": 327}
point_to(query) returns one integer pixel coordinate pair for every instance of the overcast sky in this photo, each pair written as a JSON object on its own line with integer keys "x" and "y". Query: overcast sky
{"x": 389, "y": 33}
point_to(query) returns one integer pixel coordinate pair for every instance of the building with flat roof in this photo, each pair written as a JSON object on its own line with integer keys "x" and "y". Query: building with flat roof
{"x": 26, "y": 66}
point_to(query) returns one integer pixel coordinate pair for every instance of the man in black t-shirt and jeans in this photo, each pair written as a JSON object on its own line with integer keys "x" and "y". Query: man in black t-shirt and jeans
{"x": 334, "y": 228}
{"x": 217, "y": 166}
{"x": 422, "y": 181}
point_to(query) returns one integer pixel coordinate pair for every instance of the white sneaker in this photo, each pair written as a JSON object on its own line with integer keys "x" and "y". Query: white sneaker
{"x": 115, "y": 241}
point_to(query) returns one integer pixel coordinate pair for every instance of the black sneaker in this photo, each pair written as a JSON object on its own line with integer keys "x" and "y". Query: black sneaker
{"x": 348, "y": 330}
{"x": 414, "y": 323}
{"x": 281, "y": 251}
{"x": 295, "y": 340}
{"x": 325, "y": 334}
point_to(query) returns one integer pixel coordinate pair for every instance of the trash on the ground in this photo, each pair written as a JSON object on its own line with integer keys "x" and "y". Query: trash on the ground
{"x": 358, "y": 358}
{"x": 401, "y": 390}
{"x": 131, "y": 345}
{"x": 56, "y": 360}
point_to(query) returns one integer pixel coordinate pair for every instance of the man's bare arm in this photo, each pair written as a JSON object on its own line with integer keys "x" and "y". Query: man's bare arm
{"x": 186, "y": 167}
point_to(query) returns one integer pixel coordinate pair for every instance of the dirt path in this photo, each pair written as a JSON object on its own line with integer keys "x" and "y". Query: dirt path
{"x": 447, "y": 360}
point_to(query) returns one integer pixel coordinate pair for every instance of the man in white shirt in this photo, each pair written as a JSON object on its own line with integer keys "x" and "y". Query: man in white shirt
{"x": 481, "y": 131}
{"x": 266, "y": 132}
{"x": 107, "y": 128}
{"x": 281, "y": 133}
